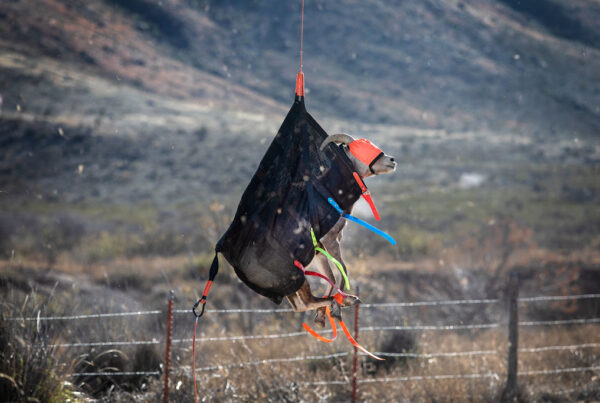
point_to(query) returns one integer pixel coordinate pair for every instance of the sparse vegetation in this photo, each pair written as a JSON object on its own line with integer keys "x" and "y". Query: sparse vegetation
{"x": 143, "y": 287}
{"x": 30, "y": 367}
{"x": 128, "y": 130}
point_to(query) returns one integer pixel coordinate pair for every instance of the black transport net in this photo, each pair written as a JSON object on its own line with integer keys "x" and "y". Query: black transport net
{"x": 286, "y": 197}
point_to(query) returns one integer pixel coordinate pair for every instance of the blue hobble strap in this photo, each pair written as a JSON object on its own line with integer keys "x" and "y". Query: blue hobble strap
{"x": 361, "y": 222}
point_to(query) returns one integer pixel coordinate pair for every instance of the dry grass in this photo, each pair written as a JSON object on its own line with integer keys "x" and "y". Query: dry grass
{"x": 283, "y": 381}
{"x": 142, "y": 284}
{"x": 32, "y": 369}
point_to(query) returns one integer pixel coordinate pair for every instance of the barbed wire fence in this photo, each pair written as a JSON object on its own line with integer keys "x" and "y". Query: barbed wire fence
{"x": 513, "y": 325}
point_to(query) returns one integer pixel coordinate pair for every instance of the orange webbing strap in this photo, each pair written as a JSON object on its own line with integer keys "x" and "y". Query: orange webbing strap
{"x": 319, "y": 337}
{"x": 206, "y": 289}
{"x": 214, "y": 269}
{"x": 300, "y": 84}
{"x": 346, "y": 332}
{"x": 355, "y": 343}
{"x": 366, "y": 195}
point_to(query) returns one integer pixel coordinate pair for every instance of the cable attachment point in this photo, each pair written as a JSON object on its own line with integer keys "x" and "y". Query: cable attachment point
{"x": 200, "y": 301}
{"x": 300, "y": 85}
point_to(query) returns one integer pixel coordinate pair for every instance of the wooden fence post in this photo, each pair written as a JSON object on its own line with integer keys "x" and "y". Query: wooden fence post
{"x": 168, "y": 346}
{"x": 510, "y": 390}
{"x": 355, "y": 356}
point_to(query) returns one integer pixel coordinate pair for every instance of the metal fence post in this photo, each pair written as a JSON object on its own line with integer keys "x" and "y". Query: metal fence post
{"x": 355, "y": 356}
{"x": 510, "y": 390}
{"x": 168, "y": 346}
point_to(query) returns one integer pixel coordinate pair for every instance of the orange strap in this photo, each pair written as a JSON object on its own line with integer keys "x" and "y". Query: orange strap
{"x": 346, "y": 332}
{"x": 319, "y": 337}
{"x": 366, "y": 195}
{"x": 206, "y": 289}
{"x": 355, "y": 344}
{"x": 300, "y": 84}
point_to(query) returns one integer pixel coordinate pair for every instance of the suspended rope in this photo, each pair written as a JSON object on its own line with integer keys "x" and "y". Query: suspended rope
{"x": 214, "y": 269}
{"x": 301, "y": 32}
{"x": 194, "y": 359}
{"x": 300, "y": 77}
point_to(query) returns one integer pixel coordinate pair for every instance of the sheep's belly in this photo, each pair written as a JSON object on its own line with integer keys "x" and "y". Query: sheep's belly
{"x": 268, "y": 273}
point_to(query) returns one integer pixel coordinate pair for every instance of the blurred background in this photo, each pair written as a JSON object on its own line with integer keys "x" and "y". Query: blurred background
{"x": 130, "y": 128}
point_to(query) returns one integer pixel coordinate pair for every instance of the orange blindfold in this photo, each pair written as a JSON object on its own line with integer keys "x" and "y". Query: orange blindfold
{"x": 365, "y": 151}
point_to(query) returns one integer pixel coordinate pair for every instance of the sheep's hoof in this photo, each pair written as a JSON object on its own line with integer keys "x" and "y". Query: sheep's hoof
{"x": 351, "y": 300}
{"x": 320, "y": 317}
{"x": 336, "y": 310}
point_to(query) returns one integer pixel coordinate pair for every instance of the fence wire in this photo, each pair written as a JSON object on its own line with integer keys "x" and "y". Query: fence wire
{"x": 108, "y": 343}
{"x": 488, "y": 375}
{"x": 241, "y": 310}
{"x": 560, "y": 322}
{"x": 434, "y": 355}
{"x": 247, "y": 337}
{"x": 556, "y": 371}
{"x": 90, "y": 316}
{"x": 558, "y": 297}
{"x": 557, "y": 348}
{"x": 408, "y": 379}
{"x": 453, "y": 376}
{"x": 285, "y": 310}
{"x": 134, "y": 373}
{"x": 272, "y": 360}
{"x": 430, "y": 327}
{"x": 429, "y": 303}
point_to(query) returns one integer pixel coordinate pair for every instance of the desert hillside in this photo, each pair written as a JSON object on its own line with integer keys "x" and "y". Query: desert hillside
{"x": 130, "y": 128}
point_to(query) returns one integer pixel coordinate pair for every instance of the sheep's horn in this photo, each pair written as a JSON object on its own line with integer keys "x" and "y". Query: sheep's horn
{"x": 337, "y": 138}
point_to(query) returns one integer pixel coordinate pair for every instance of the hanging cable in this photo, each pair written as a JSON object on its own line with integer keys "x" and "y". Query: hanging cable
{"x": 300, "y": 77}
{"x": 301, "y": 32}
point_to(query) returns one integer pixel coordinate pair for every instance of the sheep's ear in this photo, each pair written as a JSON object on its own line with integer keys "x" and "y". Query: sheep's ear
{"x": 337, "y": 138}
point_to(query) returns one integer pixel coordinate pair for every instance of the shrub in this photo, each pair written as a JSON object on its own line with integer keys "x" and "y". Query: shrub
{"x": 27, "y": 358}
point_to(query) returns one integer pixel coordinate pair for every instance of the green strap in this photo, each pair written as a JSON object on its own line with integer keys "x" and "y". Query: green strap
{"x": 334, "y": 260}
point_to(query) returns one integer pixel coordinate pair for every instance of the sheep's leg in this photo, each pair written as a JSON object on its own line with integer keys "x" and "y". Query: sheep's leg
{"x": 321, "y": 265}
{"x": 331, "y": 242}
{"x": 303, "y": 299}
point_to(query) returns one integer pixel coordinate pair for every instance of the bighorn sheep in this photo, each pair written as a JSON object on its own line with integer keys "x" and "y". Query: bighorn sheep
{"x": 368, "y": 160}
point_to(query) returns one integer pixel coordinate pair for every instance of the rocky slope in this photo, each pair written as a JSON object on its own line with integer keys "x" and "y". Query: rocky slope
{"x": 135, "y": 100}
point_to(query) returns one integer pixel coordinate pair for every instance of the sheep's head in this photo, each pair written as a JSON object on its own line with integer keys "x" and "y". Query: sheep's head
{"x": 368, "y": 159}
